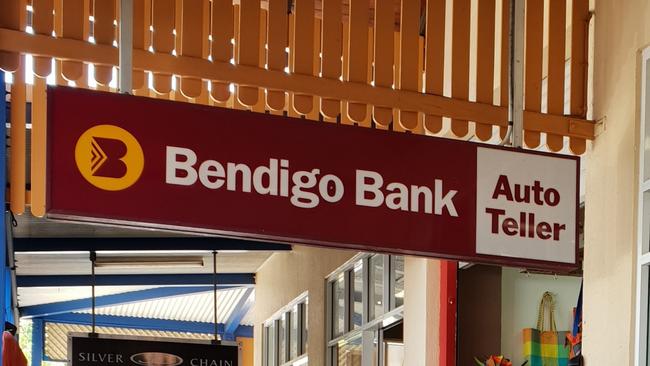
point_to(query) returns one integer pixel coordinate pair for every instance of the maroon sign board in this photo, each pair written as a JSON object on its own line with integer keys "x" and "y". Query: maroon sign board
{"x": 121, "y": 159}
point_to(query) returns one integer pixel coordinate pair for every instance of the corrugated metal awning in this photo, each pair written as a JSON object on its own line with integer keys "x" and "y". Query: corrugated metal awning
{"x": 194, "y": 307}
{"x": 56, "y": 337}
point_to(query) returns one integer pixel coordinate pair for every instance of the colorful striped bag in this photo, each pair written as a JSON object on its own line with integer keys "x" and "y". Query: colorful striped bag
{"x": 546, "y": 347}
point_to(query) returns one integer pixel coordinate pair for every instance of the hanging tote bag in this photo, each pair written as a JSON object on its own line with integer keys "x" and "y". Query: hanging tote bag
{"x": 544, "y": 347}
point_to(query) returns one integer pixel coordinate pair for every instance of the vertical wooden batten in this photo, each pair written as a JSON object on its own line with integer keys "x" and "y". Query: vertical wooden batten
{"x": 302, "y": 51}
{"x": 43, "y": 23}
{"x": 485, "y": 64}
{"x": 222, "y": 29}
{"x": 17, "y": 162}
{"x": 248, "y": 46}
{"x": 504, "y": 86}
{"x": 408, "y": 76}
{"x": 163, "y": 40}
{"x": 556, "y": 62}
{"x": 192, "y": 42}
{"x": 38, "y": 147}
{"x": 75, "y": 26}
{"x": 384, "y": 49}
{"x": 460, "y": 60}
{"x": 357, "y": 56}
{"x": 533, "y": 64}
{"x": 579, "y": 47}
{"x": 141, "y": 39}
{"x": 277, "y": 33}
{"x": 434, "y": 65}
{"x": 104, "y": 33}
{"x": 331, "y": 47}
{"x": 11, "y": 18}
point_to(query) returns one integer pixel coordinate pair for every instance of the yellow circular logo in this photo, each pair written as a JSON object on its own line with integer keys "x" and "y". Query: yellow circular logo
{"x": 109, "y": 157}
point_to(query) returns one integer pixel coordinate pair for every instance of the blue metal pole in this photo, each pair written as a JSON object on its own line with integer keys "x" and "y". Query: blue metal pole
{"x": 38, "y": 341}
{"x": 3, "y": 183}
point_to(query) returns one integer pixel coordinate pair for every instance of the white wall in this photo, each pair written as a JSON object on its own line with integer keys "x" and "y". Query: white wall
{"x": 521, "y": 294}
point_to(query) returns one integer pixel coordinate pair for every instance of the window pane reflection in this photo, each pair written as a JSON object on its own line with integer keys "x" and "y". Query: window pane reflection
{"x": 349, "y": 353}
{"x": 338, "y": 306}
{"x": 357, "y": 295}
{"x": 282, "y": 344}
{"x": 376, "y": 294}
{"x": 293, "y": 335}
{"x": 398, "y": 275}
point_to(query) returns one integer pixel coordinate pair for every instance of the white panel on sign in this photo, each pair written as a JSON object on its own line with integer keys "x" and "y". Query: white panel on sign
{"x": 525, "y": 206}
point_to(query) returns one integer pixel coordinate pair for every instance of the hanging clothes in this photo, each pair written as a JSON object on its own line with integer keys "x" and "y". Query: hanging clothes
{"x": 12, "y": 355}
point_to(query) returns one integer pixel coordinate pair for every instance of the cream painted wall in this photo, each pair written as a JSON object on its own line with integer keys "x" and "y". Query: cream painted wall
{"x": 421, "y": 311}
{"x": 520, "y": 296}
{"x": 622, "y": 30}
{"x": 285, "y": 276}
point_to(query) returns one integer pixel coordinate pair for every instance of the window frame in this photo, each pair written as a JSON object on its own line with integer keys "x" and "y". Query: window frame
{"x": 643, "y": 229}
{"x": 369, "y": 327}
{"x": 301, "y": 302}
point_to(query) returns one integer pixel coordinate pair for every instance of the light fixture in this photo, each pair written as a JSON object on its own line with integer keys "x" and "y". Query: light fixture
{"x": 149, "y": 262}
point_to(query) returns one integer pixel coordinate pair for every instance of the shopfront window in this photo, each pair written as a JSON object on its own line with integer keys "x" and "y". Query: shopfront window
{"x": 643, "y": 220}
{"x": 357, "y": 295}
{"x": 376, "y": 286}
{"x": 338, "y": 305}
{"x": 365, "y": 297}
{"x": 397, "y": 272}
{"x": 285, "y": 335}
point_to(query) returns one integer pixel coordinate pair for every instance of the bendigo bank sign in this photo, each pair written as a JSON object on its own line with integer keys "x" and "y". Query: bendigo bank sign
{"x": 123, "y": 159}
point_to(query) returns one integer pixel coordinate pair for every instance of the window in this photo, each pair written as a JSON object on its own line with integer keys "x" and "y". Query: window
{"x": 365, "y": 297}
{"x": 643, "y": 220}
{"x": 338, "y": 305}
{"x": 284, "y": 340}
{"x": 376, "y": 286}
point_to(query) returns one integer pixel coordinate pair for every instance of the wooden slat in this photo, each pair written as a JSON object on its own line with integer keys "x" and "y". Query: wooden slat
{"x": 395, "y": 125}
{"x": 43, "y": 23}
{"x": 277, "y": 33}
{"x": 18, "y": 142}
{"x": 460, "y": 60}
{"x": 315, "y": 112}
{"x": 260, "y": 105}
{"x": 10, "y": 18}
{"x": 357, "y": 56}
{"x": 222, "y": 28}
{"x": 430, "y": 104}
{"x": 38, "y": 146}
{"x": 104, "y": 34}
{"x": 408, "y": 80}
{"x": 485, "y": 64}
{"x": 302, "y": 52}
{"x": 332, "y": 43}
{"x": 192, "y": 42}
{"x": 556, "y": 52}
{"x": 345, "y": 118}
{"x": 141, "y": 38}
{"x": 163, "y": 39}
{"x": 75, "y": 26}
{"x": 505, "y": 57}
{"x": 533, "y": 64}
{"x": 579, "y": 41}
{"x": 248, "y": 43}
{"x": 434, "y": 58}
{"x": 383, "y": 55}
{"x": 58, "y": 29}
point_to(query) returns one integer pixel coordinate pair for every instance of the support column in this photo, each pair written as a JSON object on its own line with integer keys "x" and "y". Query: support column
{"x": 3, "y": 183}
{"x": 421, "y": 312}
{"x": 38, "y": 341}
